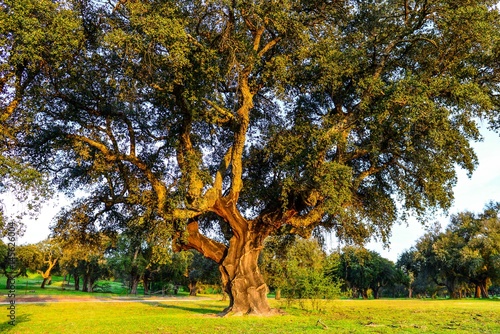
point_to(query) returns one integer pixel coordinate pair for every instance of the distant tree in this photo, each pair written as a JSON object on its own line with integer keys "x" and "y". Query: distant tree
{"x": 466, "y": 252}
{"x": 297, "y": 267}
{"x": 6, "y": 266}
{"x": 274, "y": 260}
{"x": 409, "y": 268}
{"x": 361, "y": 270}
{"x": 172, "y": 272}
{"x": 479, "y": 238}
{"x": 202, "y": 270}
{"x": 49, "y": 253}
{"x": 383, "y": 273}
{"x": 82, "y": 247}
{"x": 129, "y": 260}
{"x": 352, "y": 270}
{"x": 26, "y": 256}
{"x": 265, "y": 114}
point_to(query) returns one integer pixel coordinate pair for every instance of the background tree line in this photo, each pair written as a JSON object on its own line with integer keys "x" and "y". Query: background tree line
{"x": 463, "y": 260}
{"x": 87, "y": 267}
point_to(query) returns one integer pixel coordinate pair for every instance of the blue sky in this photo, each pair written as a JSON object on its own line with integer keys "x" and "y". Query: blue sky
{"x": 470, "y": 194}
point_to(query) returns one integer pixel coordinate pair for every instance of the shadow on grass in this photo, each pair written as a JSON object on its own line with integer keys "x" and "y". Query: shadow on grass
{"x": 198, "y": 308}
{"x": 6, "y": 326}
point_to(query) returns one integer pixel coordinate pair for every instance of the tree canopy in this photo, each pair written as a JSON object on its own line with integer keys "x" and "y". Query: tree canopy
{"x": 466, "y": 252}
{"x": 240, "y": 119}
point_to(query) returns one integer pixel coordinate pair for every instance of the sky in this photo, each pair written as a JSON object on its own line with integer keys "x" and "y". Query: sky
{"x": 470, "y": 194}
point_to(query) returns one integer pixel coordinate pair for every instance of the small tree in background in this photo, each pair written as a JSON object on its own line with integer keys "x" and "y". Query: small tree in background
{"x": 202, "y": 270}
{"x": 465, "y": 253}
{"x": 297, "y": 267}
{"x": 362, "y": 271}
{"x": 26, "y": 256}
{"x": 49, "y": 254}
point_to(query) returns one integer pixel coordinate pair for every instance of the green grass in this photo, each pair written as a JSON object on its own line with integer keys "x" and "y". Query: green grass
{"x": 340, "y": 316}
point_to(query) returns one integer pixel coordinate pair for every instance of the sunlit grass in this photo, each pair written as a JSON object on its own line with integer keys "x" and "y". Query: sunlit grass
{"x": 339, "y": 316}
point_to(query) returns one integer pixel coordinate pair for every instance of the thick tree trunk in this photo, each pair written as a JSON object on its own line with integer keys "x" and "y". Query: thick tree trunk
{"x": 92, "y": 281}
{"x": 484, "y": 290}
{"x": 76, "y": 277}
{"x": 44, "y": 282}
{"x": 133, "y": 285}
{"x": 410, "y": 292}
{"x": 452, "y": 290}
{"x": 193, "y": 288}
{"x": 278, "y": 294}
{"x": 86, "y": 280}
{"x": 146, "y": 279}
{"x": 242, "y": 279}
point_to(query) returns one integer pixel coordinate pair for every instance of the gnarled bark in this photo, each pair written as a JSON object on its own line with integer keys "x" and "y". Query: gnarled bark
{"x": 481, "y": 290}
{"x": 242, "y": 279}
{"x": 193, "y": 288}
{"x": 46, "y": 274}
{"x": 238, "y": 262}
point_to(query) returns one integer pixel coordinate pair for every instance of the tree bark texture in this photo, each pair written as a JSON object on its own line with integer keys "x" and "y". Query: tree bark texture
{"x": 86, "y": 279}
{"x": 193, "y": 288}
{"x": 241, "y": 278}
{"x": 278, "y": 294}
{"x": 481, "y": 290}
{"x": 76, "y": 277}
{"x": 44, "y": 282}
{"x": 134, "y": 282}
{"x": 243, "y": 281}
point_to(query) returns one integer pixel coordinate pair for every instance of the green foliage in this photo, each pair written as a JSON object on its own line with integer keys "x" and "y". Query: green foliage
{"x": 28, "y": 257}
{"x": 296, "y": 267}
{"x": 349, "y": 107}
{"x": 32, "y": 35}
{"x": 466, "y": 253}
{"x": 203, "y": 270}
{"x": 362, "y": 270}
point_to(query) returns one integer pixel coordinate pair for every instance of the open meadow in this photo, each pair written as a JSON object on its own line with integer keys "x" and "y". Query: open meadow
{"x": 198, "y": 315}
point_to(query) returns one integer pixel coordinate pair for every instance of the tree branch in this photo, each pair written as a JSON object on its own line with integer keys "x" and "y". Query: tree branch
{"x": 226, "y": 115}
{"x": 206, "y": 246}
{"x": 269, "y": 46}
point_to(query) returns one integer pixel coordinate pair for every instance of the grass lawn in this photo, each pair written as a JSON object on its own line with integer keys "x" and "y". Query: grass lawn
{"x": 198, "y": 316}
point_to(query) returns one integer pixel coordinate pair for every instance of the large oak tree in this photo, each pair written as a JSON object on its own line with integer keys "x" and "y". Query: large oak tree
{"x": 220, "y": 122}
